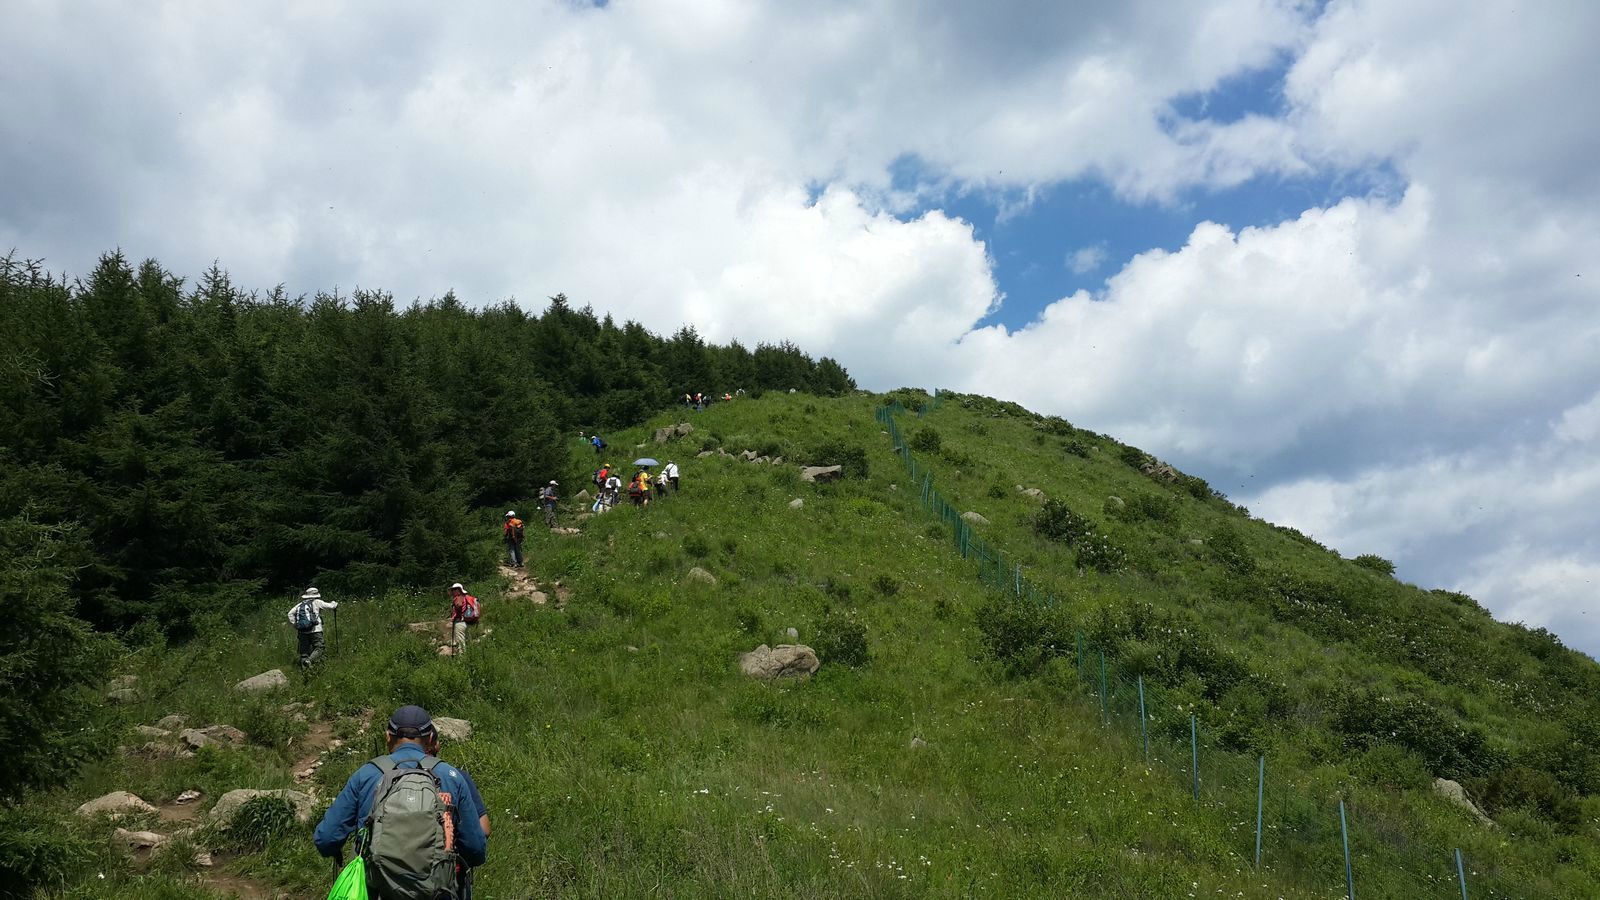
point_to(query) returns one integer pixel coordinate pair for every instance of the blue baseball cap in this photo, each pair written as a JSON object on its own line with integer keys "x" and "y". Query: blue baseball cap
{"x": 411, "y": 722}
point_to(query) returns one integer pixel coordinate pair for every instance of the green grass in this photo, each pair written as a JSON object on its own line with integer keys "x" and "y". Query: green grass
{"x": 660, "y": 771}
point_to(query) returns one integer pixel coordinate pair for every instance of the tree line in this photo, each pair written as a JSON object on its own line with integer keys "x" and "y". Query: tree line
{"x": 169, "y": 451}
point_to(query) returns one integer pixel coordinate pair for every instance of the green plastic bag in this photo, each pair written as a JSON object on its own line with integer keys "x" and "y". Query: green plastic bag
{"x": 352, "y": 881}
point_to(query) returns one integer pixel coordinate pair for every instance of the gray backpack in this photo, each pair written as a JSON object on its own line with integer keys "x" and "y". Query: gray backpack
{"x": 410, "y": 835}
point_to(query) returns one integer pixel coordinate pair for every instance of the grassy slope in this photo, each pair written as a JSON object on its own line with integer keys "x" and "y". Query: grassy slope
{"x": 617, "y": 773}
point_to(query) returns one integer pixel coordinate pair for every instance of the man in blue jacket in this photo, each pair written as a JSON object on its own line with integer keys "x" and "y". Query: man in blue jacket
{"x": 411, "y": 736}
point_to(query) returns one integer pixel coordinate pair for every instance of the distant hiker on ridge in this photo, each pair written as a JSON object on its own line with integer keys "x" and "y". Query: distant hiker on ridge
{"x": 598, "y": 444}
{"x": 464, "y": 610}
{"x": 423, "y": 822}
{"x": 306, "y": 617}
{"x": 513, "y": 535}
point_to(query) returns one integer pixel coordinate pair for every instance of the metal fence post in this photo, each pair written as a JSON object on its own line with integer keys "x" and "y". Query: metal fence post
{"x": 1144, "y": 732}
{"x": 1461, "y": 874}
{"x": 1349, "y": 874}
{"x": 1080, "y": 656}
{"x": 1019, "y": 579}
{"x": 1261, "y": 788}
{"x": 1105, "y": 714}
{"x": 1194, "y": 755}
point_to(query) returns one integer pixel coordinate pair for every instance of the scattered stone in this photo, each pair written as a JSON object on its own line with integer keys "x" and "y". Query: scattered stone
{"x": 661, "y": 535}
{"x": 750, "y": 455}
{"x": 270, "y": 680}
{"x": 1160, "y": 471}
{"x": 152, "y": 732}
{"x": 447, "y": 650}
{"x": 164, "y": 750}
{"x": 792, "y": 632}
{"x": 308, "y": 773}
{"x": 762, "y": 460}
{"x": 584, "y": 495}
{"x": 453, "y": 729}
{"x": 797, "y": 503}
{"x": 115, "y": 804}
{"x": 782, "y": 661}
{"x": 705, "y": 453}
{"x": 228, "y": 804}
{"x": 699, "y": 574}
{"x": 1196, "y": 541}
{"x": 1116, "y": 501}
{"x": 199, "y": 740}
{"x": 821, "y": 473}
{"x": 123, "y": 695}
{"x": 138, "y": 840}
{"x": 684, "y": 429}
{"x": 974, "y": 518}
{"x": 918, "y": 743}
{"x": 668, "y": 432}
{"x": 1035, "y": 493}
{"x": 1456, "y": 794}
{"x": 123, "y": 681}
{"x": 188, "y": 797}
{"x": 638, "y": 446}
{"x": 203, "y": 859}
{"x": 777, "y": 460}
{"x": 539, "y": 598}
{"x": 632, "y": 649}
{"x": 894, "y": 487}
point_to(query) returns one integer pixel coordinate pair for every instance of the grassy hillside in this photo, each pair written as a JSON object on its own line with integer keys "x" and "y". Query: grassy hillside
{"x": 621, "y": 753}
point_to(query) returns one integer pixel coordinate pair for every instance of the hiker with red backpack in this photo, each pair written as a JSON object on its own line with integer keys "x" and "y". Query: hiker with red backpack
{"x": 513, "y": 534}
{"x": 419, "y": 821}
{"x": 465, "y": 610}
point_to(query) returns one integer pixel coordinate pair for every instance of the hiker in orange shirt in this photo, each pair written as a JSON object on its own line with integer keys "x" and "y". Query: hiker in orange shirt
{"x": 513, "y": 535}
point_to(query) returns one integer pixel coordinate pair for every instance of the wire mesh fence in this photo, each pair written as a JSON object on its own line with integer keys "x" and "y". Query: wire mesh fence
{"x": 1317, "y": 830}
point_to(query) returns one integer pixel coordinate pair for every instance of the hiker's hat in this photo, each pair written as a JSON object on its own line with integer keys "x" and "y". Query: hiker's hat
{"x": 555, "y": 482}
{"x": 311, "y": 594}
{"x": 458, "y": 586}
{"x": 411, "y": 722}
{"x": 510, "y": 513}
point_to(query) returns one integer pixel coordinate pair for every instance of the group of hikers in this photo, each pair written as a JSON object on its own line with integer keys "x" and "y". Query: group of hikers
{"x": 420, "y": 824}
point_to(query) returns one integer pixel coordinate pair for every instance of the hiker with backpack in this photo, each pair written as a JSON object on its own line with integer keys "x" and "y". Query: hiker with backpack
{"x": 670, "y": 473}
{"x": 465, "y": 610}
{"x": 594, "y": 441}
{"x": 548, "y": 498}
{"x": 419, "y": 821}
{"x": 306, "y": 617}
{"x": 513, "y": 534}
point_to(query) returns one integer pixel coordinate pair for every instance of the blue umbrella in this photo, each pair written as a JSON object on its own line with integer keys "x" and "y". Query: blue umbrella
{"x": 647, "y": 461}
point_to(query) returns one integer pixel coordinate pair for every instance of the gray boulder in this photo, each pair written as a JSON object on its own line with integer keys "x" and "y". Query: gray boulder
{"x": 797, "y": 503}
{"x": 453, "y": 729}
{"x": 974, "y": 518}
{"x": 172, "y": 722}
{"x": 821, "y": 473}
{"x": 701, "y": 575}
{"x": 152, "y": 732}
{"x": 750, "y": 455}
{"x": 138, "y": 840}
{"x": 777, "y": 460}
{"x": 229, "y": 804}
{"x": 705, "y": 453}
{"x": 269, "y": 680}
{"x": 123, "y": 695}
{"x": 1456, "y": 794}
{"x": 1035, "y": 493}
{"x": 793, "y": 633}
{"x": 782, "y": 661}
{"x": 115, "y": 804}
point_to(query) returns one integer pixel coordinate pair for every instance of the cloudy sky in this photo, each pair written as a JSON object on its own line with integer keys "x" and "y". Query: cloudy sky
{"x": 1338, "y": 258}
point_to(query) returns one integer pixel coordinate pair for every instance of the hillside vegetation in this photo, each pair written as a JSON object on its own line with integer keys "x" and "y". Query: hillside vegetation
{"x": 947, "y": 746}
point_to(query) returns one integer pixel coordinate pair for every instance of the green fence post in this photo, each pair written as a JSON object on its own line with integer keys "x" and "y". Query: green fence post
{"x": 1194, "y": 755}
{"x": 1461, "y": 874}
{"x": 1080, "y": 657}
{"x": 1349, "y": 874}
{"x": 1261, "y": 788}
{"x": 1019, "y": 579}
{"x": 1105, "y": 714}
{"x": 1144, "y": 733}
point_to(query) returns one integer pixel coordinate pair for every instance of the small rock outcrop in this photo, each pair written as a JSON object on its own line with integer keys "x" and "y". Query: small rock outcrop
{"x": 151, "y": 732}
{"x": 229, "y": 804}
{"x": 1035, "y": 493}
{"x": 782, "y": 661}
{"x": 115, "y": 804}
{"x": 453, "y": 729}
{"x": 668, "y": 432}
{"x": 705, "y": 453}
{"x": 1160, "y": 471}
{"x": 821, "y": 473}
{"x": 123, "y": 695}
{"x": 212, "y": 736}
{"x": 138, "y": 840}
{"x": 269, "y": 680}
{"x": 584, "y": 495}
{"x": 701, "y": 575}
{"x": 797, "y": 503}
{"x": 792, "y": 633}
{"x": 1456, "y": 794}
{"x": 974, "y": 518}
{"x": 917, "y": 743}
{"x": 172, "y": 722}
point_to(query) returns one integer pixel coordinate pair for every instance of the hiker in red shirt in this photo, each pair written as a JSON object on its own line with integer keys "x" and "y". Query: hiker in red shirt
{"x": 464, "y": 611}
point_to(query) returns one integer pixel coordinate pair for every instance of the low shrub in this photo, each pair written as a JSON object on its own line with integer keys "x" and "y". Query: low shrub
{"x": 257, "y": 822}
{"x": 852, "y": 457}
{"x": 1022, "y": 636}
{"x": 1374, "y": 563}
{"x": 926, "y": 440}
{"x": 842, "y": 639}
